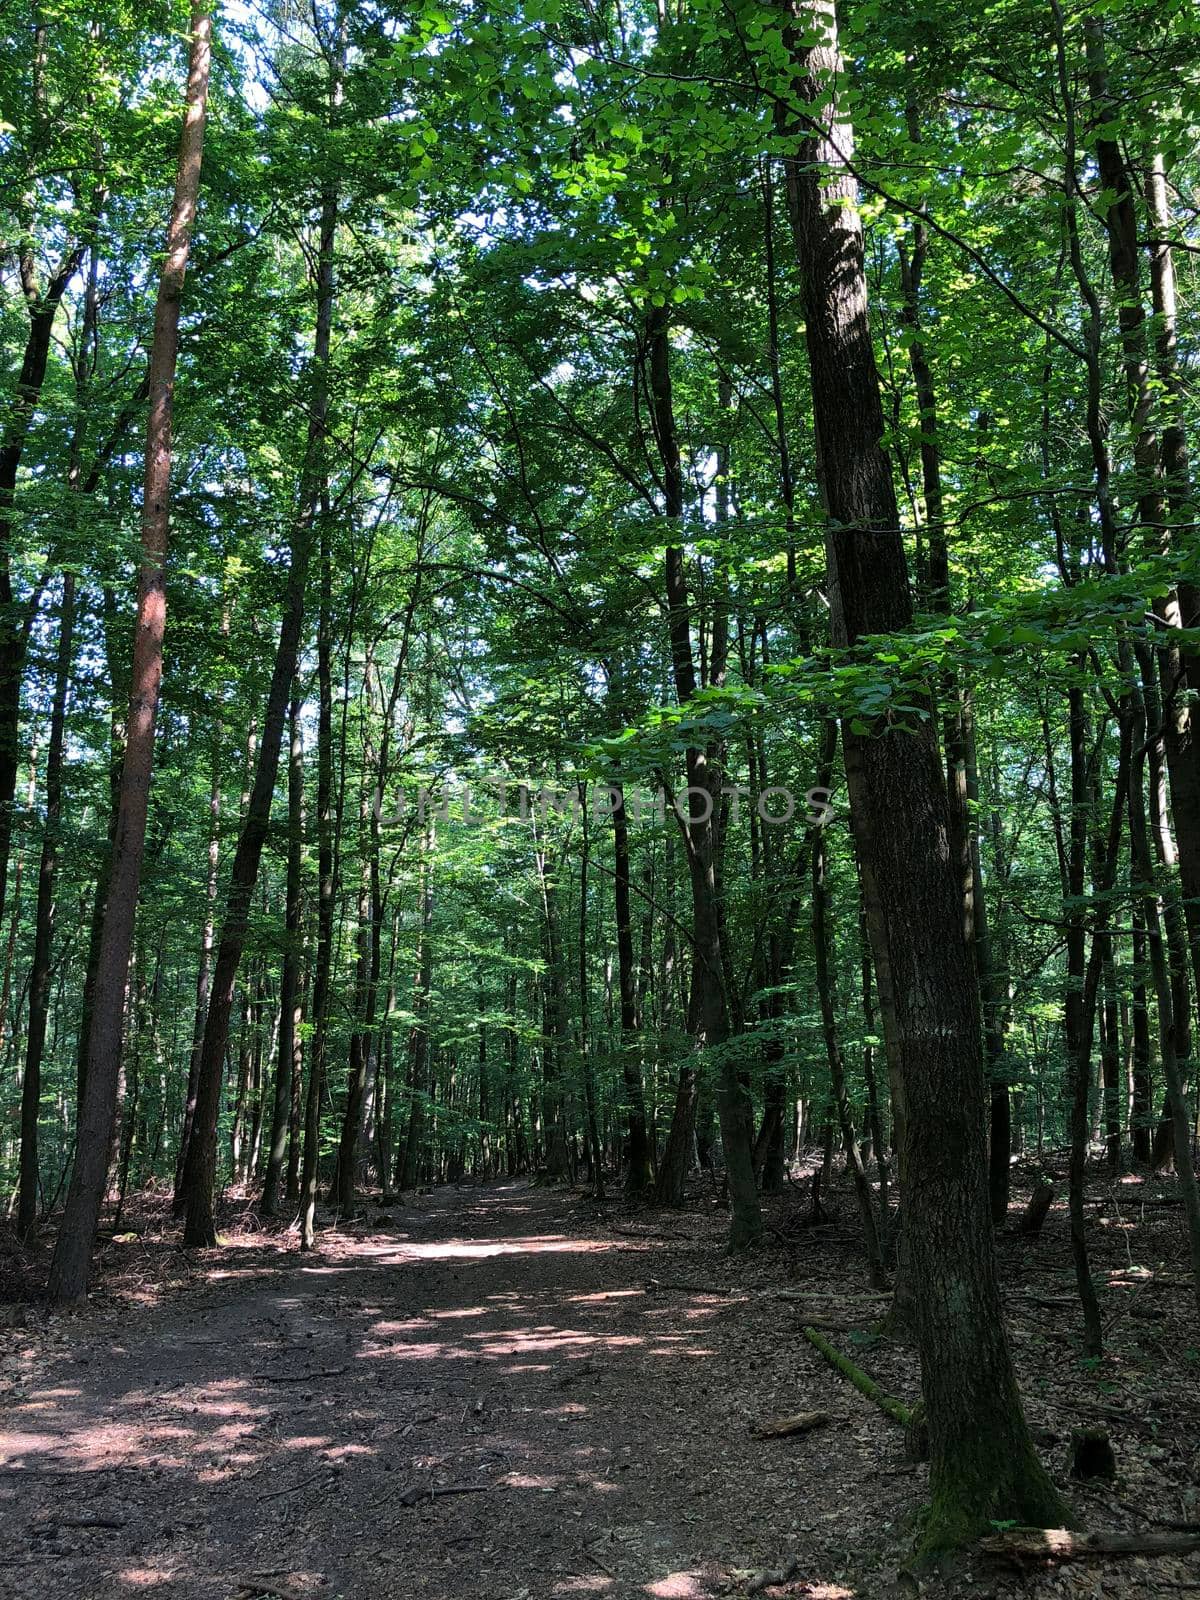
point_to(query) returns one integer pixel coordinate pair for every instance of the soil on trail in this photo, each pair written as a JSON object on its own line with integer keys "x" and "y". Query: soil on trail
{"x": 272, "y": 1427}
{"x": 491, "y": 1393}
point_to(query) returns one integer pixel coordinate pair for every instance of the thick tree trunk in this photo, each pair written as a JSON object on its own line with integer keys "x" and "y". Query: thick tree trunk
{"x": 69, "y": 1270}
{"x": 982, "y": 1463}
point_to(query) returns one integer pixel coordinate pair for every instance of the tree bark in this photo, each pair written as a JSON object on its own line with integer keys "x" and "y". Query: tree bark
{"x": 983, "y": 1465}
{"x": 69, "y": 1270}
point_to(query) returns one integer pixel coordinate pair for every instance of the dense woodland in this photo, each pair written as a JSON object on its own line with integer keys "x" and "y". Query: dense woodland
{"x": 605, "y": 591}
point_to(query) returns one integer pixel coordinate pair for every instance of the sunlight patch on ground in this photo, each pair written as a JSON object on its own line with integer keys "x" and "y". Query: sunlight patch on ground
{"x": 580, "y": 1585}
{"x": 604, "y": 1295}
{"x": 526, "y": 1345}
{"x": 146, "y": 1577}
{"x": 530, "y": 1480}
{"x": 395, "y": 1251}
{"x": 679, "y": 1586}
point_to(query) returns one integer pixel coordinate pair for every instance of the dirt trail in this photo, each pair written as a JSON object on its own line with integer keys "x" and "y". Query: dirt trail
{"x": 269, "y": 1432}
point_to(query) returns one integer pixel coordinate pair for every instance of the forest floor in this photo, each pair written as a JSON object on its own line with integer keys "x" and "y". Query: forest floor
{"x": 577, "y": 1386}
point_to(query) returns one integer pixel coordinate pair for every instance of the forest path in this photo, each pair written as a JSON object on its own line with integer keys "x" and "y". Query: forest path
{"x": 259, "y": 1433}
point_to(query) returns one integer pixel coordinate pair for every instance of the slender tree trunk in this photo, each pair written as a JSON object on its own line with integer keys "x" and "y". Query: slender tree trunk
{"x": 1160, "y": 468}
{"x": 639, "y": 1175}
{"x": 1143, "y": 863}
{"x": 822, "y": 933}
{"x": 408, "y": 1165}
{"x": 200, "y": 1169}
{"x": 43, "y": 938}
{"x": 709, "y": 1007}
{"x": 69, "y": 1270}
{"x": 204, "y": 970}
{"x": 310, "y": 1179}
{"x": 289, "y": 982}
{"x": 585, "y": 1051}
{"x": 1140, "y": 1103}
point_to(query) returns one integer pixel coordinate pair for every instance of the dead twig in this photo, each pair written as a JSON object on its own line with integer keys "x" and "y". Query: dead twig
{"x": 415, "y": 1495}
{"x": 275, "y": 1494}
{"x": 299, "y": 1377}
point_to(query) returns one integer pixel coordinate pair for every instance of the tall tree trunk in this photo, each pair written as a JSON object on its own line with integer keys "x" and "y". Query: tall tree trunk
{"x": 289, "y": 982}
{"x": 69, "y": 1270}
{"x": 822, "y": 933}
{"x": 1145, "y": 888}
{"x": 709, "y": 1006}
{"x": 200, "y": 1169}
{"x": 1140, "y": 1103}
{"x": 585, "y": 1050}
{"x": 408, "y": 1165}
{"x": 310, "y": 1179}
{"x": 1158, "y": 467}
{"x": 204, "y": 969}
{"x": 43, "y": 937}
{"x": 640, "y": 1173}
{"x": 982, "y": 1462}
{"x": 554, "y": 1017}
{"x": 366, "y": 982}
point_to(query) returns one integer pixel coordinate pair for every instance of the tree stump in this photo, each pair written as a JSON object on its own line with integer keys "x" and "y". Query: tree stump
{"x": 1092, "y": 1454}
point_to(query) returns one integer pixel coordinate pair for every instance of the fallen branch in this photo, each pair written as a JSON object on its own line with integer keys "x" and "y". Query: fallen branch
{"x": 661, "y": 1286}
{"x": 896, "y": 1409}
{"x": 249, "y": 1584}
{"x": 785, "y": 1427}
{"x": 415, "y": 1495}
{"x": 299, "y": 1377}
{"x": 1060, "y": 1544}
